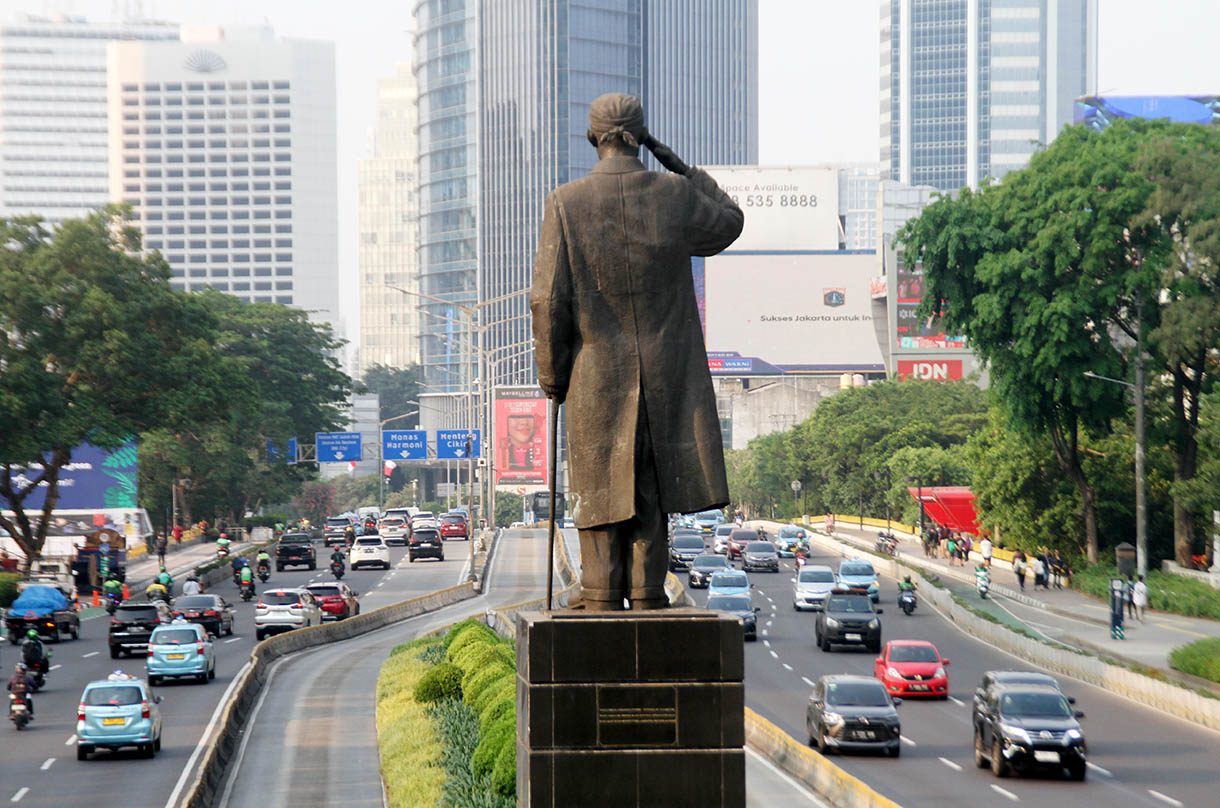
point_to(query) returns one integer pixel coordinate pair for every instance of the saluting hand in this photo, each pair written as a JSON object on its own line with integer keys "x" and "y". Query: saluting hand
{"x": 665, "y": 155}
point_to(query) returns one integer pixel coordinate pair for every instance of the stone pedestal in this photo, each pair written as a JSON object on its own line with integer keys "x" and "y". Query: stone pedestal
{"x": 630, "y": 709}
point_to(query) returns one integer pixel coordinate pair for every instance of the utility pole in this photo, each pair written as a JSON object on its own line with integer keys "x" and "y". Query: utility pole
{"x": 1141, "y": 503}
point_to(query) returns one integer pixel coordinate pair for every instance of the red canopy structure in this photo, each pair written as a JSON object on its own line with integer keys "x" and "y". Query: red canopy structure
{"x": 950, "y": 505}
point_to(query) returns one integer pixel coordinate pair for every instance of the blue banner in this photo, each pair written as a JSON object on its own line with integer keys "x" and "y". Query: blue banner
{"x": 337, "y": 447}
{"x": 451, "y": 444}
{"x": 273, "y": 453}
{"x": 93, "y": 478}
{"x": 404, "y": 444}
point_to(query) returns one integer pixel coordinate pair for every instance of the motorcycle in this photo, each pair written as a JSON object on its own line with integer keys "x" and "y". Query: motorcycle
{"x": 247, "y": 591}
{"x": 222, "y": 553}
{"x": 336, "y": 569}
{"x": 982, "y": 583}
{"x": 112, "y": 602}
{"x": 264, "y": 571}
{"x": 907, "y": 602}
{"x": 18, "y": 711}
{"x": 886, "y": 544}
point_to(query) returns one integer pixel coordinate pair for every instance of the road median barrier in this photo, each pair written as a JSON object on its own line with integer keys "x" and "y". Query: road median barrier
{"x": 209, "y": 780}
{"x": 1180, "y": 702}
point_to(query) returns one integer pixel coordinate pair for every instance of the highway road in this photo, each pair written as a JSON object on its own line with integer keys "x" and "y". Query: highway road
{"x": 1138, "y": 756}
{"x": 39, "y": 766}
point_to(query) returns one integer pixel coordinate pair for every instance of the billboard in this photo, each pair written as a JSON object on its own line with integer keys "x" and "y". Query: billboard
{"x": 1098, "y": 112}
{"x": 931, "y": 370}
{"x": 94, "y": 478}
{"x": 911, "y": 332}
{"x": 772, "y": 313}
{"x": 786, "y": 208}
{"x": 521, "y": 437}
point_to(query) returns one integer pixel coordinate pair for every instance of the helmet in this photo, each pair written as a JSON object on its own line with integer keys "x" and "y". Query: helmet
{"x": 19, "y": 667}
{"x": 32, "y": 634}
{"x": 907, "y": 578}
{"x": 163, "y": 568}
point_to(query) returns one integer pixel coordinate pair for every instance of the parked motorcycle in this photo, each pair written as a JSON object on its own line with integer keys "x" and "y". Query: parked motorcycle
{"x": 907, "y": 602}
{"x": 247, "y": 591}
{"x": 886, "y": 544}
{"x": 337, "y": 569}
{"x": 18, "y": 711}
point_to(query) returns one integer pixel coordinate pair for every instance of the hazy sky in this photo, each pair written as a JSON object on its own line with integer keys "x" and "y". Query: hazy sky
{"x": 818, "y": 69}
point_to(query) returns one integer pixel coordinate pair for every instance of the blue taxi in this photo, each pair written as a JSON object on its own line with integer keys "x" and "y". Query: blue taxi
{"x": 180, "y": 649}
{"x": 115, "y": 712}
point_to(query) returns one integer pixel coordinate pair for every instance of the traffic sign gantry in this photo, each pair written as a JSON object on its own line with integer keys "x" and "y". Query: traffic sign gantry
{"x": 337, "y": 447}
{"x": 404, "y": 444}
{"x": 451, "y": 444}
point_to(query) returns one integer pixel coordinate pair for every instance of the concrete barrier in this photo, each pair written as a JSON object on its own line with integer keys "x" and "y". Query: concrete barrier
{"x": 210, "y": 777}
{"x": 1179, "y": 702}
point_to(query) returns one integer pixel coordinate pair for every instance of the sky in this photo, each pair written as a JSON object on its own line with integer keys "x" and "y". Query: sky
{"x": 828, "y": 48}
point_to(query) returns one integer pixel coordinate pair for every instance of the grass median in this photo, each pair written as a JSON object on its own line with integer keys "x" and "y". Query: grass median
{"x": 1199, "y": 658}
{"x": 1173, "y": 594}
{"x": 410, "y": 751}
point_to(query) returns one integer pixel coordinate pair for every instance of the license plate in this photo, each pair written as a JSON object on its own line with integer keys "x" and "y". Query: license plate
{"x": 175, "y": 656}
{"x": 865, "y": 734}
{"x": 112, "y": 722}
{"x": 1046, "y": 757}
{"x": 918, "y": 687}
{"x": 852, "y": 636}
{"x": 425, "y": 544}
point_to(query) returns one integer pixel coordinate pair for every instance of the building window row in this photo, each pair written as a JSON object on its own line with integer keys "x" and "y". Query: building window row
{"x": 196, "y": 86}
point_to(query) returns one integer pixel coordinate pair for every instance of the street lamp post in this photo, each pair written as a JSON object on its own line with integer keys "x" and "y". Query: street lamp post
{"x": 1141, "y": 502}
{"x": 918, "y": 480}
{"x": 877, "y": 477}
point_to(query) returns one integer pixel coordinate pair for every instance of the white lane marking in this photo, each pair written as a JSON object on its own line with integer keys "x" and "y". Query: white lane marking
{"x": 234, "y": 639}
{"x": 775, "y": 655}
{"x": 805, "y": 679}
{"x": 46, "y": 764}
{"x": 56, "y": 666}
{"x": 767, "y": 643}
{"x": 23, "y": 791}
{"x": 768, "y": 624}
{"x": 950, "y": 764}
{"x": 203, "y": 739}
{"x": 1157, "y": 794}
{"x": 71, "y": 740}
{"x": 1099, "y": 769}
{"x": 787, "y": 667}
{"x": 958, "y": 702}
{"x": 91, "y": 653}
{"x": 764, "y": 633}
{"x": 907, "y": 740}
{"x": 1005, "y": 792}
{"x": 799, "y": 787}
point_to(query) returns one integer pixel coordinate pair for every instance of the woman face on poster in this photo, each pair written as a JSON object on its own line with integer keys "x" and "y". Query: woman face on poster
{"x": 521, "y": 432}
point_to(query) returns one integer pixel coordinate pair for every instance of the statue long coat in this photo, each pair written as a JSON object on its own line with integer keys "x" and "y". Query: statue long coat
{"x": 617, "y": 333}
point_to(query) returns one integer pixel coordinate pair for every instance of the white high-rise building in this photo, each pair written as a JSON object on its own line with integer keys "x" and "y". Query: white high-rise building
{"x": 971, "y": 88}
{"x": 389, "y": 213}
{"x": 53, "y": 125}
{"x": 224, "y": 144}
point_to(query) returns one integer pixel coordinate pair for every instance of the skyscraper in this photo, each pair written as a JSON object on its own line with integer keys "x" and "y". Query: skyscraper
{"x": 504, "y": 94}
{"x": 53, "y": 125}
{"x": 389, "y": 320}
{"x": 224, "y": 145}
{"x": 970, "y": 88}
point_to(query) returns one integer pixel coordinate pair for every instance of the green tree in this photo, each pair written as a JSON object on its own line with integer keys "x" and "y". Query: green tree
{"x": 508, "y": 508}
{"x": 396, "y": 389}
{"x": 97, "y": 348}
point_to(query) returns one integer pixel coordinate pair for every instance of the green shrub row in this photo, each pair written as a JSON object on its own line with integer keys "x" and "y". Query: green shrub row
{"x": 8, "y": 588}
{"x": 1199, "y": 658}
{"x": 458, "y": 730}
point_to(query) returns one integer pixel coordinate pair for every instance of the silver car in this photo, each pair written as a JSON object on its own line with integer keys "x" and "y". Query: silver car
{"x": 720, "y": 542}
{"x": 285, "y": 609}
{"x": 813, "y": 585}
{"x": 395, "y": 530}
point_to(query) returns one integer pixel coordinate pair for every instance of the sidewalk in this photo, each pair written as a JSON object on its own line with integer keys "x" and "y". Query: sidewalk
{"x": 1064, "y": 615}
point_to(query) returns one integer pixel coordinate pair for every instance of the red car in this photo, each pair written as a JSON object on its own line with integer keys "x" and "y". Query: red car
{"x": 912, "y": 668}
{"x": 336, "y": 599}
{"x": 453, "y": 526}
{"x": 738, "y": 540}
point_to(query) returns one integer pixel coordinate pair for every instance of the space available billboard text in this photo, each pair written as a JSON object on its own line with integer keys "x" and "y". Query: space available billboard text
{"x": 521, "y": 437}
{"x": 785, "y": 208}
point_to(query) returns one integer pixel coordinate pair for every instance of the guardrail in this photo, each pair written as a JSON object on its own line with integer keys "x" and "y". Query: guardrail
{"x": 210, "y": 777}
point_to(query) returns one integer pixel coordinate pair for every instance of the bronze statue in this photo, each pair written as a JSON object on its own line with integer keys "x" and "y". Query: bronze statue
{"x": 617, "y": 336}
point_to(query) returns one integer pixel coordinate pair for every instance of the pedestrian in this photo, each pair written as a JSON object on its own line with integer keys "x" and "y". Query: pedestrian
{"x": 1057, "y": 567}
{"x": 177, "y": 534}
{"x": 985, "y": 551}
{"x": 1129, "y": 593}
{"x": 1019, "y": 566}
{"x": 1039, "y": 572}
{"x": 952, "y": 548}
{"x": 967, "y": 544}
{"x": 160, "y": 545}
{"x": 1140, "y": 598}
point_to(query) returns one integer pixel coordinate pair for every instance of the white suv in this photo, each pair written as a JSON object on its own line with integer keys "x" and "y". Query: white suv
{"x": 395, "y": 529}
{"x": 371, "y": 550}
{"x": 285, "y": 609}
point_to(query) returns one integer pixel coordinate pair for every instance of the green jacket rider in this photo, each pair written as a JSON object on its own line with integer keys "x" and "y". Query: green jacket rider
{"x": 113, "y": 587}
{"x": 905, "y": 585}
{"x": 247, "y": 574}
{"x": 263, "y": 557}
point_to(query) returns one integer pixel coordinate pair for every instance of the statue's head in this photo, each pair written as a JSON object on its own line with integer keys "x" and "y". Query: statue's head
{"x": 616, "y": 122}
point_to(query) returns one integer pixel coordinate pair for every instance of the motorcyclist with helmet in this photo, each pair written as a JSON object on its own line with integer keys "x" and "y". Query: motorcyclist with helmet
{"x": 22, "y": 686}
{"x": 906, "y": 585}
{"x": 33, "y": 653}
{"x": 192, "y": 586}
{"x": 157, "y": 591}
{"x": 113, "y": 588}
{"x": 245, "y": 578}
{"x": 263, "y": 559}
{"x": 165, "y": 579}
{"x": 337, "y": 557}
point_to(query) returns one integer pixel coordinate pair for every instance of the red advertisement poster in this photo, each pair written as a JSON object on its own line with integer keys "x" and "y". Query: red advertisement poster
{"x": 521, "y": 436}
{"x": 932, "y": 370}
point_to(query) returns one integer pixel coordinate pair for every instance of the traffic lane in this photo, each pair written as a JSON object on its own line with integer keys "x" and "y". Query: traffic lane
{"x": 780, "y": 673}
{"x": 767, "y": 786}
{"x": 187, "y": 708}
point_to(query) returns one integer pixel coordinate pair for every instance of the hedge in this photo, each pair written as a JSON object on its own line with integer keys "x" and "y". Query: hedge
{"x": 504, "y": 773}
{"x": 409, "y": 747}
{"x": 442, "y": 681}
{"x": 475, "y": 681}
{"x": 8, "y": 588}
{"x": 502, "y": 688}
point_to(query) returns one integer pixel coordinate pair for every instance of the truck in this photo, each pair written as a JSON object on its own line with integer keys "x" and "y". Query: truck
{"x": 44, "y": 608}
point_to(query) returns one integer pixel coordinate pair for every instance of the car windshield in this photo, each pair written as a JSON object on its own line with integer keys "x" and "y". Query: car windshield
{"x": 761, "y": 547}
{"x": 725, "y": 603}
{"x": 856, "y": 694}
{"x": 325, "y": 591}
{"x": 1050, "y": 705}
{"x": 817, "y": 577}
{"x": 136, "y": 613}
{"x": 724, "y": 530}
{"x": 280, "y": 598}
{"x": 790, "y": 532}
{"x": 688, "y": 543}
{"x": 708, "y": 516}
{"x": 452, "y": 518}
{"x": 913, "y": 653}
{"x": 710, "y": 562}
{"x": 175, "y": 636}
{"x": 294, "y": 538}
{"x": 426, "y": 533}
{"x": 114, "y": 695}
{"x": 856, "y": 569}
{"x": 373, "y": 542}
{"x": 731, "y": 579}
{"x": 337, "y": 521}
{"x": 743, "y": 535}
{"x": 424, "y": 515}
{"x": 859, "y": 605}
{"x": 195, "y": 602}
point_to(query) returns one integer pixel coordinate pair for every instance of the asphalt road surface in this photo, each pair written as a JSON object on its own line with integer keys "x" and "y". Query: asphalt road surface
{"x": 39, "y": 766}
{"x": 1138, "y": 756}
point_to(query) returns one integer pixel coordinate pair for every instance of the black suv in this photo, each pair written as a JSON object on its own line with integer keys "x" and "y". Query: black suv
{"x": 1028, "y": 727}
{"x": 130, "y": 627}
{"x": 425, "y": 542}
{"x": 848, "y": 620}
{"x": 853, "y": 712}
{"x": 683, "y": 550}
{"x": 295, "y": 549}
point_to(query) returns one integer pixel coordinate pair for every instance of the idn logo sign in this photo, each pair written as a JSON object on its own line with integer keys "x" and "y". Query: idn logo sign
{"x": 934, "y": 370}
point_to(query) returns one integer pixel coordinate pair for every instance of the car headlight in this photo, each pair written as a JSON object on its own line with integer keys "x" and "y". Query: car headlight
{"x": 939, "y": 674}
{"x": 872, "y": 587}
{"x": 832, "y": 623}
{"x": 832, "y": 718}
{"x": 1015, "y": 733}
{"x": 893, "y": 673}
{"x": 874, "y": 623}
{"x": 1074, "y": 735}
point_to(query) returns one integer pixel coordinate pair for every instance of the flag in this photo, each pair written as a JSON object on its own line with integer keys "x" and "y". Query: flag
{"x": 388, "y": 468}
{"x": 351, "y": 467}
